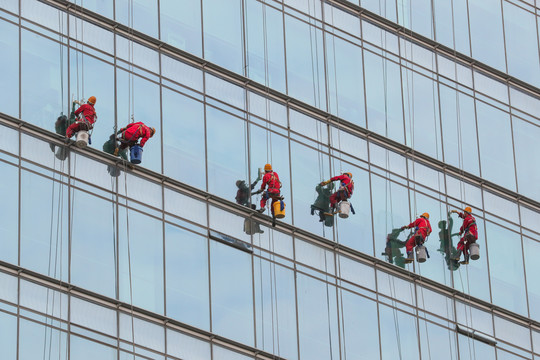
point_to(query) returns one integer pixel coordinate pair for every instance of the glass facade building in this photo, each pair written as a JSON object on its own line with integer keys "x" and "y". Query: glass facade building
{"x": 431, "y": 105}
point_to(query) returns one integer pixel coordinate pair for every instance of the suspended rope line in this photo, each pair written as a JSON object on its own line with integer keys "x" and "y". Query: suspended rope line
{"x": 262, "y": 292}
{"x": 395, "y": 313}
{"x": 328, "y": 305}
{"x": 129, "y": 260}
{"x": 131, "y": 79}
{"x": 274, "y": 281}
{"x": 336, "y": 89}
{"x": 61, "y": 39}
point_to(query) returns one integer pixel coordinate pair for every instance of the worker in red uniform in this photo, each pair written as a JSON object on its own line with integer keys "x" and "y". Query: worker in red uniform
{"x": 270, "y": 179}
{"x": 85, "y": 122}
{"x": 422, "y": 230}
{"x": 129, "y": 135}
{"x": 344, "y": 191}
{"x": 469, "y": 230}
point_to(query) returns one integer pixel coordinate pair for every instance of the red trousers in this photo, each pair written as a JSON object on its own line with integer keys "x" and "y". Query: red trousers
{"x": 465, "y": 242}
{"x": 416, "y": 239}
{"x": 74, "y": 128}
{"x": 274, "y": 196}
{"x": 336, "y": 197}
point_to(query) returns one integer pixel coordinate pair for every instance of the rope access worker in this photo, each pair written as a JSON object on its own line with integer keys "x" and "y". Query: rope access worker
{"x": 422, "y": 230}
{"x": 243, "y": 193}
{"x": 469, "y": 230}
{"x": 130, "y": 135}
{"x": 344, "y": 192}
{"x": 322, "y": 203}
{"x": 270, "y": 179}
{"x": 85, "y": 122}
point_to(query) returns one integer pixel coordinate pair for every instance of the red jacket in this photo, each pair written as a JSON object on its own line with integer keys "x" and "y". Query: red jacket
{"x": 136, "y": 131}
{"x": 272, "y": 180}
{"x": 346, "y": 182}
{"x": 88, "y": 112}
{"x": 469, "y": 223}
{"x": 423, "y": 225}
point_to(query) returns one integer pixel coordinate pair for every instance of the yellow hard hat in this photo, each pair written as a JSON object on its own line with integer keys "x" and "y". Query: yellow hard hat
{"x": 348, "y": 174}
{"x": 152, "y": 131}
{"x": 468, "y": 209}
{"x": 92, "y": 100}
{"x": 267, "y": 167}
{"x": 426, "y": 215}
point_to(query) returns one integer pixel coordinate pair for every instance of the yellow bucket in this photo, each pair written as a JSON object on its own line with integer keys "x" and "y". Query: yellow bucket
{"x": 278, "y": 213}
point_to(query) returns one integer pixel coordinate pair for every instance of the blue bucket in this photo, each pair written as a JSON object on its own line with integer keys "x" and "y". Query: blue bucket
{"x": 136, "y": 154}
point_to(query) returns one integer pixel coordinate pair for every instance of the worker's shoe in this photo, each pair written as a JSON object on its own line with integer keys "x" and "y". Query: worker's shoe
{"x": 465, "y": 260}
{"x": 410, "y": 257}
{"x": 261, "y": 210}
{"x": 457, "y": 256}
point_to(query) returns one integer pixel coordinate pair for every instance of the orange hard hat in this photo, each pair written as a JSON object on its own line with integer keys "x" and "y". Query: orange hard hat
{"x": 152, "y": 131}
{"x": 267, "y": 167}
{"x": 92, "y": 100}
{"x": 348, "y": 174}
{"x": 426, "y": 215}
{"x": 468, "y": 209}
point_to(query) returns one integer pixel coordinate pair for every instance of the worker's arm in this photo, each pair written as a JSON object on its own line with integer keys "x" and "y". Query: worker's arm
{"x": 145, "y": 137}
{"x": 339, "y": 177}
{"x": 79, "y": 110}
{"x": 264, "y": 182}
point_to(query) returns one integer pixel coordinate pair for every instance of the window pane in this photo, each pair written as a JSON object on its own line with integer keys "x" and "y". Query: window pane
{"x": 9, "y": 193}
{"x": 181, "y": 24}
{"x": 398, "y": 334}
{"x": 223, "y": 34}
{"x": 481, "y": 350}
{"x": 525, "y": 135}
{"x": 226, "y": 137}
{"x": 144, "y": 12}
{"x": 187, "y": 347}
{"x": 305, "y": 62}
{"x": 187, "y": 277}
{"x": 36, "y": 340}
{"x": 44, "y": 239}
{"x": 317, "y": 319}
{"x": 496, "y": 151}
{"x": 83, "y": 349}
{"x": 521, "y": 43}
{"x": 232, "y": 301}
{"x": 183, "y": 139}
{"x": 437, "y": 342}
{"x": 275, "y": 48}
{"x": 93, "y": 316}
{"x": 275, "y": 309}
{"x": 459, "y": 130}
{"x": 9, "y": 69}
{"x": 532, "y": 267}
{"x": 93, "y": 248}
{"x": 146, "y": 250}
{"x": 41, "y": 86}
{"x": 460, "y": 23}
{"x": 345, "y": 80}
{"x": 485, "y": 19}
{"x": 383, "y": 97}
{"x": 8, "y": 340}
{"x": 506, "y": 268}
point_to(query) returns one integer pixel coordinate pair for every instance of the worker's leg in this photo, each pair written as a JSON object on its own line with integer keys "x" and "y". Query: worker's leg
{"x": 333, "y": 201}
{"x": 72, "y": 129}
{"x": 264, "y": 198}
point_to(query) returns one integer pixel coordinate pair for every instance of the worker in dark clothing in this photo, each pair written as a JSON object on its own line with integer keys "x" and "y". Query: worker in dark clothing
{"x": 392, "y": 249}
{"x": 130, "y": 135}
{"x": 86, "y": 121}
{"x": 243, "y": 195}
{"x": 446, "y": 248}
{"x": 344, "y": 192}
{"x": 422, "y": 230}
{"x": 469, "y": 230}
{"x": 270, "y": 180}
{"x": 322, "y": 204}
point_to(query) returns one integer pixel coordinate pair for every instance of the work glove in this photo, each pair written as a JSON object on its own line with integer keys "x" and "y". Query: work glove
{"x": 324, "y": 183}
{"x": 403, "y": 227}
{"x": 116, "y": 151}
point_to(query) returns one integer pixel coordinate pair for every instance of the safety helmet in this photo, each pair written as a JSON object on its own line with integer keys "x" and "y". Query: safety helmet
{"x": 239, "y": 183}
{"x": 426, "y": 215}
{"x": 348, "y": 174}
{"x": 92, "y": 100}
{"x": 468, "y": 210}
{"x": 267, "y": 167}
{"x": 152, "y": 131}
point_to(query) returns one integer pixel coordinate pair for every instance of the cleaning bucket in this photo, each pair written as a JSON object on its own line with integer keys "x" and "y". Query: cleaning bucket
{"x": 474, "y": 250}
{"x": 344, "y": 209}
{"x": 136, "y": 154}
{"x": 279, "y": 209}
{"x": 82, "y": 139}
{"x": 421, "y": 255}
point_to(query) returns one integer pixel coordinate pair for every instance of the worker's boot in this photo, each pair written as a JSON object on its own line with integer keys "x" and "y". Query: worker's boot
{"x": 261, "y": 210}
{"x": 465, "y": 260}
{"x": 457, "y": 256}
{"x": 410, "y": 257}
